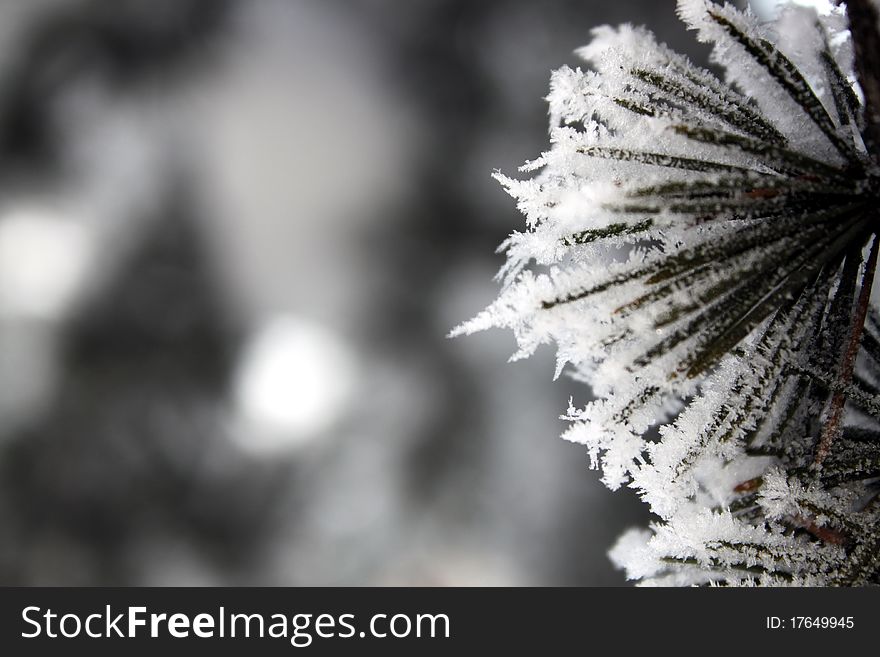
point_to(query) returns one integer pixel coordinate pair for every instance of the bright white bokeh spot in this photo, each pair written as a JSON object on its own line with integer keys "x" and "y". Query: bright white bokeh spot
{"x": 768, "y": 9}
{"x": 44, "y": 259}
{"x": 295, "y": 379}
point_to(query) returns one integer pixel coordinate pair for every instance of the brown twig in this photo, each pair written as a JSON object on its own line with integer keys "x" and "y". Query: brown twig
{"x": 864, "y": 25}
{"x": 823, "y": 533}
{"x": 832, "y": 425}
{"x": 749, "y": 485}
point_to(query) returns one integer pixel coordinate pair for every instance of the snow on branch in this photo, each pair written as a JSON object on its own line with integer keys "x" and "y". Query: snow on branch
{"x": 701, "y": 250}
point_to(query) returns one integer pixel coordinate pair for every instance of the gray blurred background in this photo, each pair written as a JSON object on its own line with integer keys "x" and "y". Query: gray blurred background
{"x": 233, "y": 237}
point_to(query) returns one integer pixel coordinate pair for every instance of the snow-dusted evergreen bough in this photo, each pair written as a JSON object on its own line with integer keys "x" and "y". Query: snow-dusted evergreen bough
{"x": 702, "y": 253}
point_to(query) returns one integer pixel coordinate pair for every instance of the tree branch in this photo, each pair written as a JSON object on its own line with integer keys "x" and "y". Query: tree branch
{"x": 832, "y": 425}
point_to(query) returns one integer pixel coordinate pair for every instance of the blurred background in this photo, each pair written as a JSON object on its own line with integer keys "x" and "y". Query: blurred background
{"x": 233, "y": 238}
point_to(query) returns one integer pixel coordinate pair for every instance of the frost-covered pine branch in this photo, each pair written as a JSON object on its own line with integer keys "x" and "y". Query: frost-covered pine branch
{"x": 701, "y": 251}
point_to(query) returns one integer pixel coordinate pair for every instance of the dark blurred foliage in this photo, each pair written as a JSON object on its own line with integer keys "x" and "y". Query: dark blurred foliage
{"x": 126, "y": 473}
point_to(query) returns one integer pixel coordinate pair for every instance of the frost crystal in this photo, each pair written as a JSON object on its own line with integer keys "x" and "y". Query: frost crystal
{"x": 701, "y": 251}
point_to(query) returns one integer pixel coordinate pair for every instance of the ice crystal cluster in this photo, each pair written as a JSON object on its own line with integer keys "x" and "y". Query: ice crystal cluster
{"x": 701, "y": 251}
